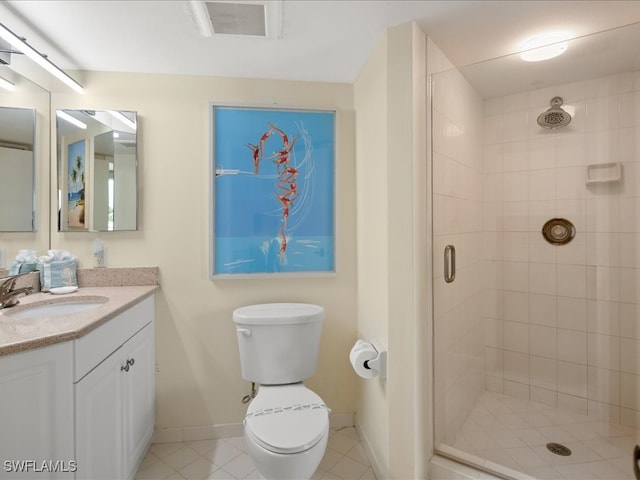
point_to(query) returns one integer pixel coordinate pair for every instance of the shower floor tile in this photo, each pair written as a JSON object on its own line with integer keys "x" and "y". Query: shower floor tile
{"x": 513, "y": 433}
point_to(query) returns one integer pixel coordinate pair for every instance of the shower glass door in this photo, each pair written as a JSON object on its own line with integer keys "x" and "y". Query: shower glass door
{"x": 537, "y": 338}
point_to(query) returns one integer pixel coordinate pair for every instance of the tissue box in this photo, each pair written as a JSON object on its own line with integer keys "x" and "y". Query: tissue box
{"x": 21, "y": 267}
{"x": 24, "y": 262}
{"x": 58, "y": 273}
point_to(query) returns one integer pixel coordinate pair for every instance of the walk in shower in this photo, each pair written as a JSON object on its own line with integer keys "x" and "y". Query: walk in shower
{"x": 536, "y": 254}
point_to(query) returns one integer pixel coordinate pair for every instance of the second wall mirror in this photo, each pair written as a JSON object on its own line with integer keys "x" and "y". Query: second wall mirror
{"x": 17, "y": 169}
{"x": 97, "y": 170}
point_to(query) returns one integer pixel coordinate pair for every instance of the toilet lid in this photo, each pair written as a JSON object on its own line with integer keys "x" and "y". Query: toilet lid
{"x": 286, "y": 419}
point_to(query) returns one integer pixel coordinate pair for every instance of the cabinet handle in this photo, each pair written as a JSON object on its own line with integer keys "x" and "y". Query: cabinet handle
{"x": 449, "y": 263}
{"x": 129, "y": 363}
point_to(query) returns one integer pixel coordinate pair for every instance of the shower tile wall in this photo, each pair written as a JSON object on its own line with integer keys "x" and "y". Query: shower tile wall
{"x": 457, "y": 220}
{"x": 562, "y": 323}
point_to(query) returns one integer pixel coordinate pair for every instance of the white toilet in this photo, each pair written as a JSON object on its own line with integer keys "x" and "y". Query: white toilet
{"x": 287, "y": 425}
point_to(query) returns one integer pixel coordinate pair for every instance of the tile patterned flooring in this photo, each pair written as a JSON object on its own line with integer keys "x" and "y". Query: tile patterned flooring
{"x": 227, "y": 459}
{"x": 513, "y": 432}
{"x": 501, "y": 431}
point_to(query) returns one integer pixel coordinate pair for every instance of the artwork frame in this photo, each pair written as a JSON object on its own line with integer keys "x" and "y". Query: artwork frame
{"x": 77, "y": 195}
{"x": 272, "y": 191}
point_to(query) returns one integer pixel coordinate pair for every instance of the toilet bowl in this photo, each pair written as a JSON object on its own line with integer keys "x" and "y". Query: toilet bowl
{"x": 286, "y": 427}
{"x": 286, "y": 431}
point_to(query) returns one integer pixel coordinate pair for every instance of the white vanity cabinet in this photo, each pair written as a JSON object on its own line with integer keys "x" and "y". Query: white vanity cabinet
{"x": 82, "y": 408}
{"x": 114, "y": 395}
{"x": 36, "y": 413}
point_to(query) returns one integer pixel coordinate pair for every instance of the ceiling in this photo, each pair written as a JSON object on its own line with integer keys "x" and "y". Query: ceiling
{"x": 322, "y": 40}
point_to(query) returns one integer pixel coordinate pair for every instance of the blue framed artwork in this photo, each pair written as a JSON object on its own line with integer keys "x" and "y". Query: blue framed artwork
{"x": 76, "y": 185}
{"x": 273, "y": 191}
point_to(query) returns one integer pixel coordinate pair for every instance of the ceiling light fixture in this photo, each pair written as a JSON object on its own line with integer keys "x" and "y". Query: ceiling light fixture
{"x": 544, "y": 47}
{"x": 21, "y": 45}
{"x": 72, "y": 120}
{"x": 6, "y": 84}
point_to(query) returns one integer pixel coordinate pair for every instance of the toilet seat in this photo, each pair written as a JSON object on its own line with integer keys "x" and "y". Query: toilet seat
{"x": 286, "y": 419}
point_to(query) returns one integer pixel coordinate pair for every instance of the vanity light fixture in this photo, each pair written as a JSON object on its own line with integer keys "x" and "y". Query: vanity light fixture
{"x": 6, "y": 84}
{"x": 22, "y": 46}
{"x": 122, "y": 118}
{"x": 544, "y": 47}
{"x": 72, "y": 120}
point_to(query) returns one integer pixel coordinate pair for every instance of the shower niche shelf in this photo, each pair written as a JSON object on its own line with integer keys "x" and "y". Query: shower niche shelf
{"x": 604, "y": 173}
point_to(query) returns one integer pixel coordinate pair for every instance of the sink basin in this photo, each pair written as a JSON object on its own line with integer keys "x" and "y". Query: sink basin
{"x": 55, "y": 309}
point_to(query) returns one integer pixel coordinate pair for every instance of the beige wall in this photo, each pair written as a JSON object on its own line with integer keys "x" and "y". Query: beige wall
{"x": 372, "y": 415}
{"x": 390, "y": 101}
{"x": 198, "y": 372}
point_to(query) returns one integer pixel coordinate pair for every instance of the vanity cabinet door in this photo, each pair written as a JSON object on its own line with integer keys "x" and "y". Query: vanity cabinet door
{"x": 139, "y": 397}
{"x": 115, "y": 412}
{"x": 36, "y": 414}
{"x": 100, "y": 421}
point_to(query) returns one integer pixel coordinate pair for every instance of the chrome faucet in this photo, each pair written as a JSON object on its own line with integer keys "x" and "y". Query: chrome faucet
{"x": 9, "y": 294}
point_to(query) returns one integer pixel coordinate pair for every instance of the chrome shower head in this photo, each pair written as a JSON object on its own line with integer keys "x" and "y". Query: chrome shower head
{"x": 555, "y": 117}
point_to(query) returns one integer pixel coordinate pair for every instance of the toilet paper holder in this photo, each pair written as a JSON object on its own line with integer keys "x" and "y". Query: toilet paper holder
{"x": 378, "y": 364}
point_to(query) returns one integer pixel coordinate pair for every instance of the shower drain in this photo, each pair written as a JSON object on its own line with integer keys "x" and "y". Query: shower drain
{"x": 558, "y": 449}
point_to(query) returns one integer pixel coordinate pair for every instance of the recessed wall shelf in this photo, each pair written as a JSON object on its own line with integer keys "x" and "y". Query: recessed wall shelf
{"x": 604, "y": 173}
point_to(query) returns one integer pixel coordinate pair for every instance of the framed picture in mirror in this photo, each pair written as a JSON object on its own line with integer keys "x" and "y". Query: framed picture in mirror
{"x": 76, "y": 185}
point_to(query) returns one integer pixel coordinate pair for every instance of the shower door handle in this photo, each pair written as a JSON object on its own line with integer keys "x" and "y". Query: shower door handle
{"x": 449, "y": 263}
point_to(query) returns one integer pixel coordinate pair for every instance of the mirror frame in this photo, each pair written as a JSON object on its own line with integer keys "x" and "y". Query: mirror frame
{"x": 97, "y": 204}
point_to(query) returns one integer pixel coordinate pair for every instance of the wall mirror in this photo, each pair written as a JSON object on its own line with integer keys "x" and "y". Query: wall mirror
{"x": 17, "y": 169}
{"x": 97, "y": 170}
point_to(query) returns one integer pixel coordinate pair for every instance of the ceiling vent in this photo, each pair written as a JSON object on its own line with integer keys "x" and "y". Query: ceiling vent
{"x": 249, "y": 17}
{"x": 237, "y": 18}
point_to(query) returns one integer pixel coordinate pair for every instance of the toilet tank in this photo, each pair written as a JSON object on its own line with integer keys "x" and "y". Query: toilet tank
{"x": 279, "y": 342}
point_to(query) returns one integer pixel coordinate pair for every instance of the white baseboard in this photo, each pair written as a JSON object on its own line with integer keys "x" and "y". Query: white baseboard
{"x": 189, "y": 434}
{"x": 227, "y": 430}
{"x": 378, "y": 470}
